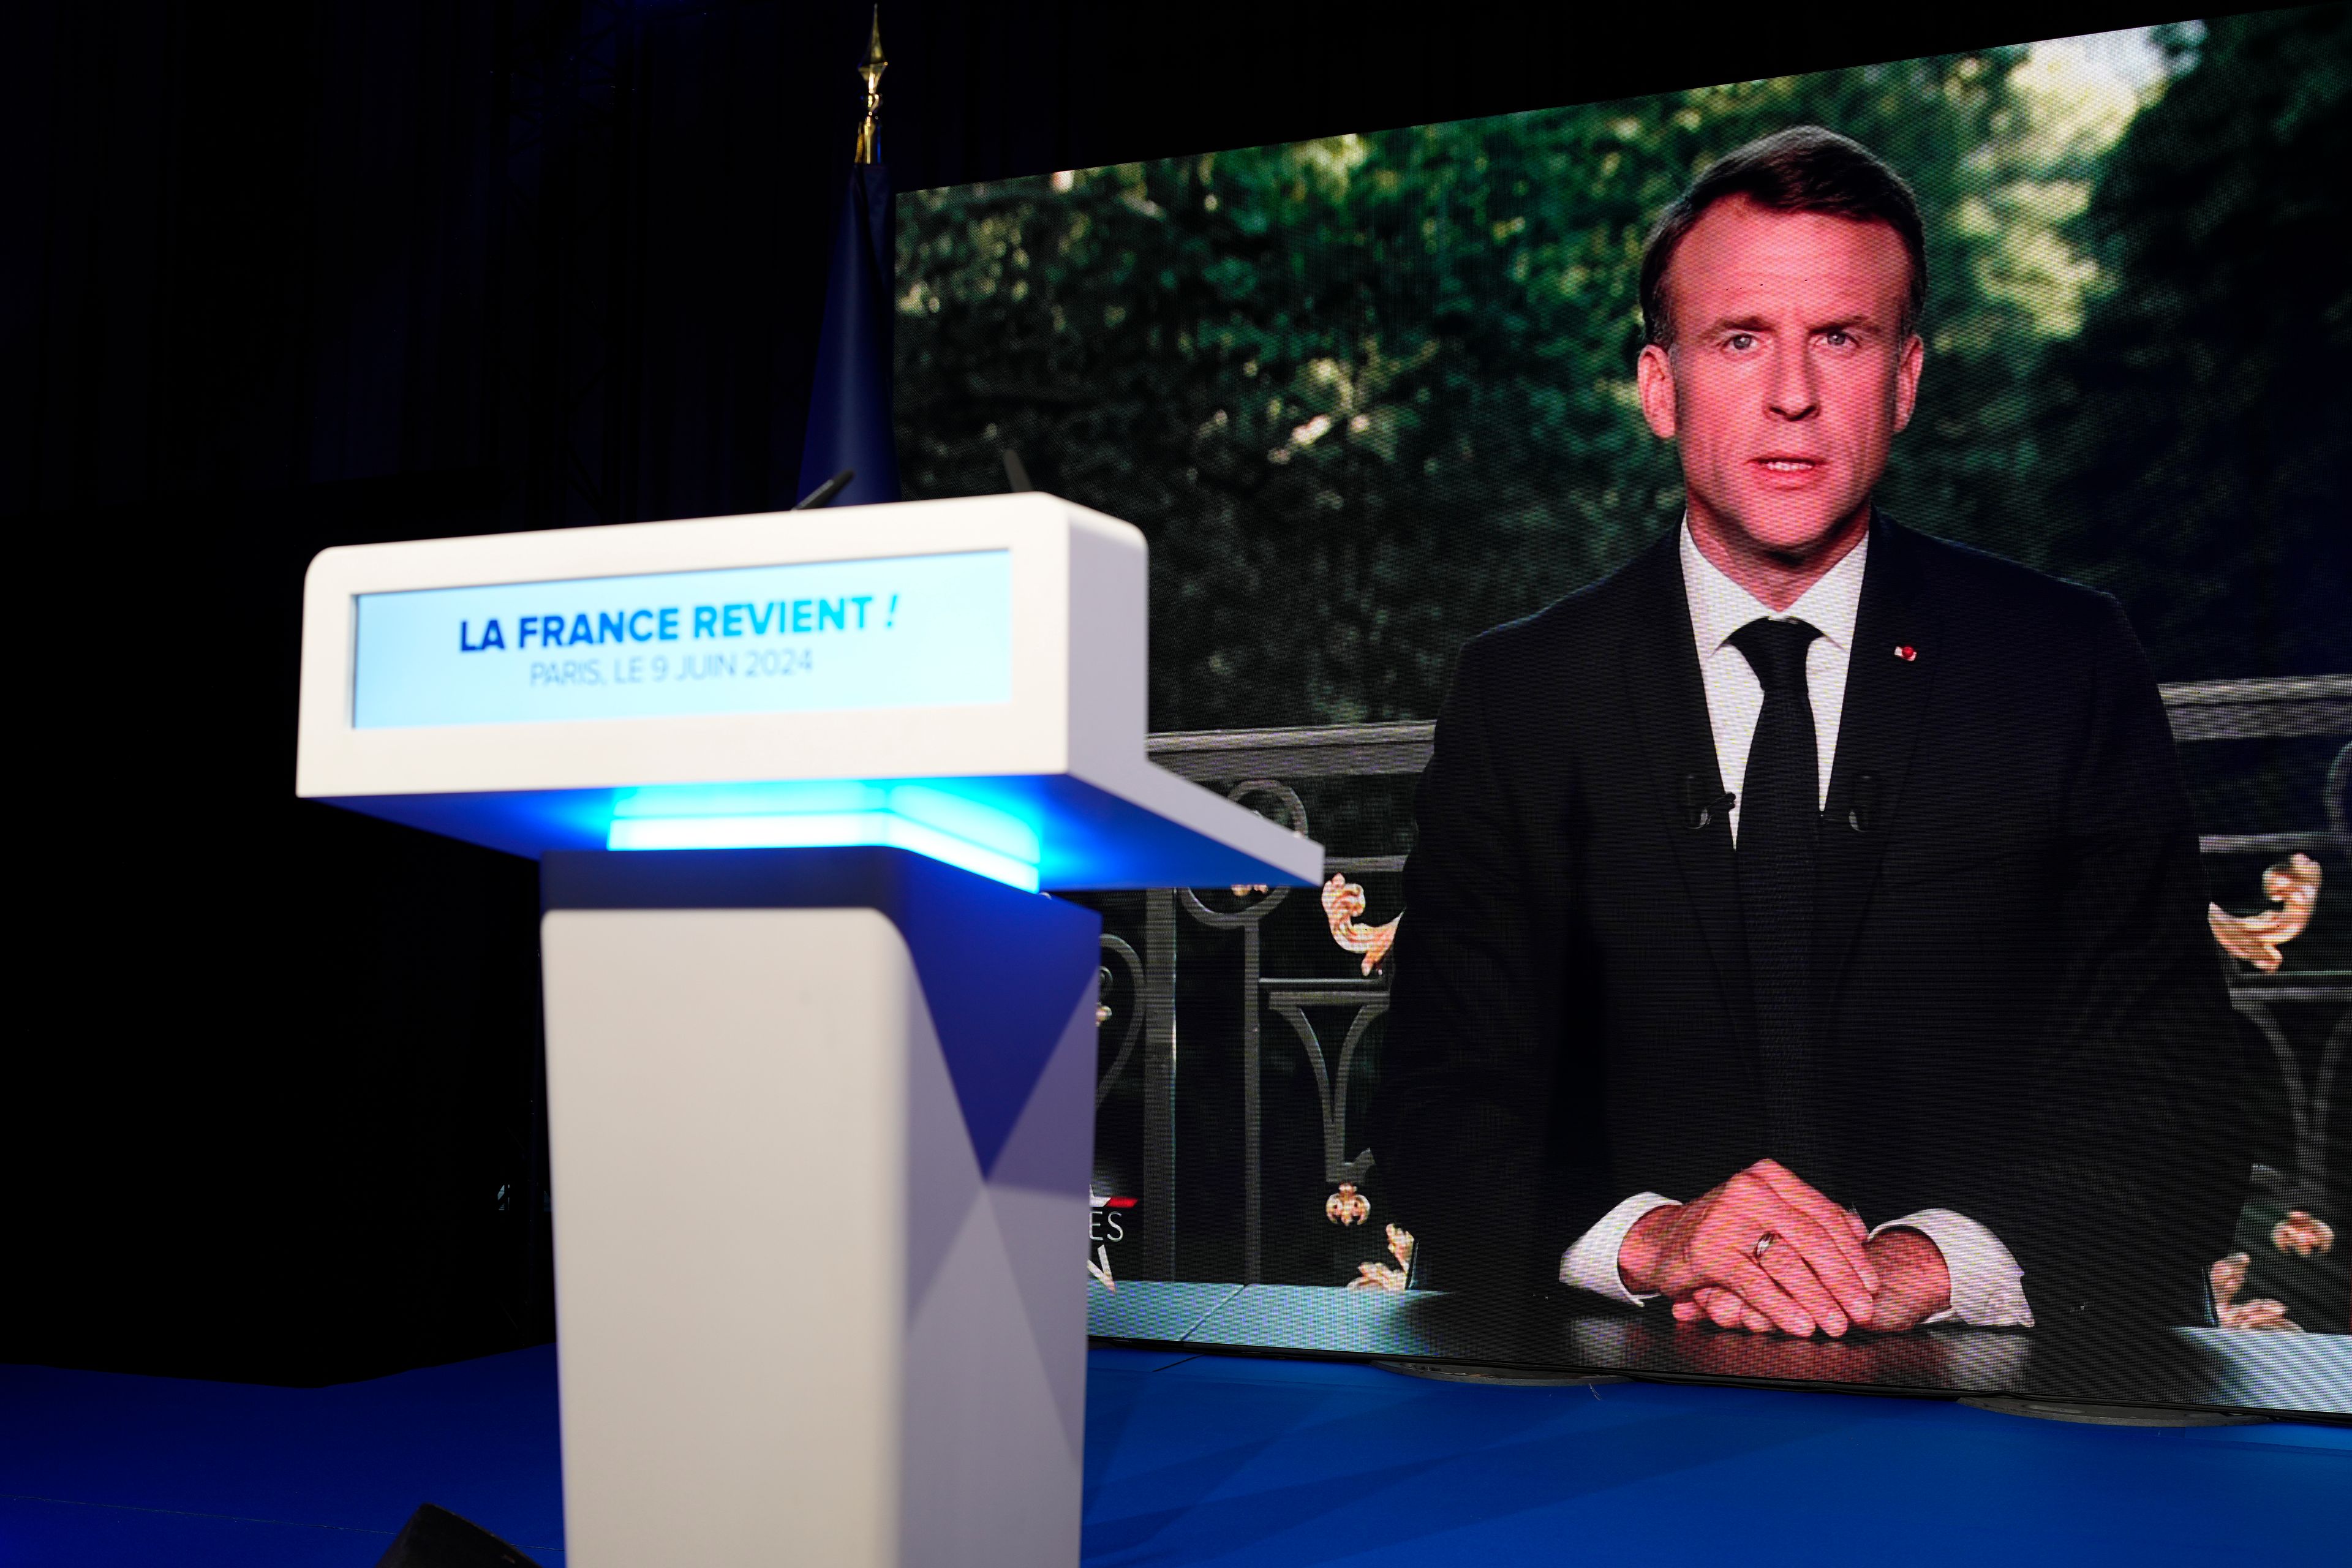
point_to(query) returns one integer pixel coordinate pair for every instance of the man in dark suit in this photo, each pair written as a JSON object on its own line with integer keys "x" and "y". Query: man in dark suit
{"x": 1806, "y": 924}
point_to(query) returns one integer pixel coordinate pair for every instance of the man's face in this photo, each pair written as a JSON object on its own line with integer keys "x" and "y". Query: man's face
{"x": 1786, "y": 381}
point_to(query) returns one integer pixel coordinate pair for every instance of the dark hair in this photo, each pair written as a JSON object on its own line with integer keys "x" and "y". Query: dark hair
{"x": 1804, "y": 169}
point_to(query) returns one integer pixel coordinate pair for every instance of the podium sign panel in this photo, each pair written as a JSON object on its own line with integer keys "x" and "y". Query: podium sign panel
{"x": 918, "y": 632}
{"x": 820, "y": 1058}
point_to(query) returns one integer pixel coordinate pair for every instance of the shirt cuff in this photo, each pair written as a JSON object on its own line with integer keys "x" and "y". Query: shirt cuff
{"x": 1592, "y": 1263}
{"x": 1987, "y": 1287}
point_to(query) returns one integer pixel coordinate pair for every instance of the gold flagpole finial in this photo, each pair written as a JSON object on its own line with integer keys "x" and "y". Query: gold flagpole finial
{"x": 869, "y": 134}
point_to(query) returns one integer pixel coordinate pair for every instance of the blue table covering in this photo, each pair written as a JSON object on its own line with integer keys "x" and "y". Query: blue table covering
{"x": 1201, "y": 1459}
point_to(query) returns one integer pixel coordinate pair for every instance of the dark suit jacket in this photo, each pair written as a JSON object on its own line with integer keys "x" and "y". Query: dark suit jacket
{"x": 2019, "y": 1012}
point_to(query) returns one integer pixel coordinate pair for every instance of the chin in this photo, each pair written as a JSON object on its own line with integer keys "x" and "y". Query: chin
{"x": 1794, "y": 529}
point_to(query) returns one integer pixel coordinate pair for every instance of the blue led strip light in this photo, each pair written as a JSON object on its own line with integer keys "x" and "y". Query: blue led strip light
{"x": 945, "y": 826}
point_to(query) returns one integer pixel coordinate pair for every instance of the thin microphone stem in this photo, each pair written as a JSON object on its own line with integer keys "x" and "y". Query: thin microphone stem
{"x": 822, "y": 495}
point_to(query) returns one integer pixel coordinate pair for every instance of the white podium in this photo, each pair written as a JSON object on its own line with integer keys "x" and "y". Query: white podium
{"x": 820, "y": 1063}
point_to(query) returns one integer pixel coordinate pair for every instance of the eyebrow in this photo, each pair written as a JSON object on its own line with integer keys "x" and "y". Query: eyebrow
{"x": 1848, "y": 323}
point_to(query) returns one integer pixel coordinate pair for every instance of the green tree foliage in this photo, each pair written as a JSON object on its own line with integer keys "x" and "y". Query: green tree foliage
{"x": 2198, "y": 430}
{"x": 1369, "y": 395}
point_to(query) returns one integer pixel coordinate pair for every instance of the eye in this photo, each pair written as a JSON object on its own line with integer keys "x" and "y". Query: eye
{"x": 1837, "y": 339}
{"x": 1740, "y": 343}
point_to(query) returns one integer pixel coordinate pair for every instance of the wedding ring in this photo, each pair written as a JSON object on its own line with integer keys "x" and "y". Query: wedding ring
{"x": 1763, "y": 1244}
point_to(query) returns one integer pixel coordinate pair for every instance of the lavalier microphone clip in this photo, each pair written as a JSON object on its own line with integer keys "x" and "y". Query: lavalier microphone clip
{"x": 1862, "y": 809}
{"x": 1697, "y": 810}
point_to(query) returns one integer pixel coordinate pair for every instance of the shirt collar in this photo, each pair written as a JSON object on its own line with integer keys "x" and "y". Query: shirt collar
{"x": 1720, "y": 606}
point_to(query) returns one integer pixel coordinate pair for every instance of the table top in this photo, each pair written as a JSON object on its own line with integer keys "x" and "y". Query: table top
{"x": 2191, "y": 1368}
{"x": 1195, "y": 1458}
{"x": 1202, "y": 1458}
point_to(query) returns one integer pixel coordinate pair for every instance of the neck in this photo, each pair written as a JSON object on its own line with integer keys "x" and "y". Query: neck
{"x": 1776, "y": 578}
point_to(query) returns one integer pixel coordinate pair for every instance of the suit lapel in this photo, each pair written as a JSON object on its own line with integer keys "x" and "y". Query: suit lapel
{"x": 1885, "y": 696}
{"x": 1669, "y": 706}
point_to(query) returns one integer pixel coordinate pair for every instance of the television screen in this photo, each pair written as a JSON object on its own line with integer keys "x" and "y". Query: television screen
{"x": 1810, "y": 616}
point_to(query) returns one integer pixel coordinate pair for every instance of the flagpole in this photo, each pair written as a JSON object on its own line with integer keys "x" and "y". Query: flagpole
{"x": 849, "y": 451}
{"x": 869, "y": 132}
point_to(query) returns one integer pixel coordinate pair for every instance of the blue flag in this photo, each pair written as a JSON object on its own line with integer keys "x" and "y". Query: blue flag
{"x": 849, "y": 401}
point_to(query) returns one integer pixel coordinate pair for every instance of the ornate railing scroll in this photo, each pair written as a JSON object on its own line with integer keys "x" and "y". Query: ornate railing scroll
{"x": 1249, "y": 919}
{"x": 1260, "y": 767}
{"x": 1118, "y": 953}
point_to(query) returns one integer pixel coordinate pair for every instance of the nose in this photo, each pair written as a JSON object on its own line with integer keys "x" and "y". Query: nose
{"x": 1793, "y": 393}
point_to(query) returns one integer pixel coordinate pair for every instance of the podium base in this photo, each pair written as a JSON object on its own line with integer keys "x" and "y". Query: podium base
{"x": 820, "y": 1126}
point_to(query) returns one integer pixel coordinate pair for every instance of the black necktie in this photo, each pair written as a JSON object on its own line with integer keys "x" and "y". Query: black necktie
{"x": 1778, "y": 820}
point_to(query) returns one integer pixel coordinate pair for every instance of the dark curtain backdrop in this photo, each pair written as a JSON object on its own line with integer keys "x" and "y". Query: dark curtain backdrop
{"x": 279, "y": 277}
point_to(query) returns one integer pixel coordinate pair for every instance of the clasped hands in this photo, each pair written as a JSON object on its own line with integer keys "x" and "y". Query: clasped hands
{"x": 1821, "y": 1273}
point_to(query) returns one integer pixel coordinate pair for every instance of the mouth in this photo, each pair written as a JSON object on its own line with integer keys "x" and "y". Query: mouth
{"x": 1788, "y": 469}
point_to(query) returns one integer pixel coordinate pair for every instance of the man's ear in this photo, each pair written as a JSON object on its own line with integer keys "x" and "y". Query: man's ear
{"x": 1907, "y": 379}
{"x": 1653, "y": 377}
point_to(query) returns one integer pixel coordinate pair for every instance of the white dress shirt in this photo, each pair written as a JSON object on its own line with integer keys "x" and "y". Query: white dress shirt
{"x": 1988, "y": 1288}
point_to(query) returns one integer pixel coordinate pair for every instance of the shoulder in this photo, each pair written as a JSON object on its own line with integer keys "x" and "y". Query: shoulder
{"x": 2023, "y": 652}
{"x": 1990, "y": 596}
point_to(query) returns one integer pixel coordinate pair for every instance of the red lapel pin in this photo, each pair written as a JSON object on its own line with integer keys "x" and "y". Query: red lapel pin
{"x": 1905, "y": 652}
